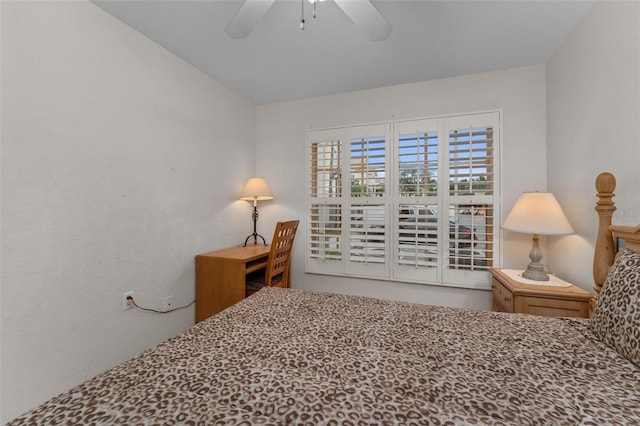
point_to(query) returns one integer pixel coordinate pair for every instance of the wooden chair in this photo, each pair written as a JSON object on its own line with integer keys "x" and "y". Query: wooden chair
{"x": 276, "y": 273}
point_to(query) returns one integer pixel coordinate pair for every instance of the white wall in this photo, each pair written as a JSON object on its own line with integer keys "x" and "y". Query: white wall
{"x": 519, "y": 93}
{"x": 120, "y": 162}
{"x": 593, "y": 93}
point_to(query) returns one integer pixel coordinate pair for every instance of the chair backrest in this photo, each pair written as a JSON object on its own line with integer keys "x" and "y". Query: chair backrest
{"x": 280, "y": 254}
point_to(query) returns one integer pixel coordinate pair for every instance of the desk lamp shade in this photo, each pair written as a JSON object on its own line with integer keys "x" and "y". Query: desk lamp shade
{"x": 255, "y": 190}
{"x": 537, "y": 213}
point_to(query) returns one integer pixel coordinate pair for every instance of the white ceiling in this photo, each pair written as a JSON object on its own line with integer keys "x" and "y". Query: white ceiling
{"x": 279, "y": 62}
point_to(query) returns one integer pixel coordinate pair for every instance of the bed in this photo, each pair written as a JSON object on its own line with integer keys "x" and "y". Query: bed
{"x": 286, "y": 356}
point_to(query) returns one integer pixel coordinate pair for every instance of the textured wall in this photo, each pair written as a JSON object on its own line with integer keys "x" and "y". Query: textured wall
{"x": 593, "y": 92}
{"x": 120, "y": 162}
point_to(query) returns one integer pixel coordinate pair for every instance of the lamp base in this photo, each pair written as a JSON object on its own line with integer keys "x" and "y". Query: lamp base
{"x": 255, "y": 235}
{"x": 255, "y": 239}
{"x": 535, "y": 272}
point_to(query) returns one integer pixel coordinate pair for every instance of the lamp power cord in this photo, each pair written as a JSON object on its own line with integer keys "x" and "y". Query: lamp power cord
{"x": 132, "y": 301}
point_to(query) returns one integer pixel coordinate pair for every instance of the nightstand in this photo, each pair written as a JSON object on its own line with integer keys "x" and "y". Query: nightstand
{"x": 512, "y": 293}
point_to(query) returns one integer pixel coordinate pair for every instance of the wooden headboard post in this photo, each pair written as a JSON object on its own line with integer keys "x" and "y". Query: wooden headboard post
{"x": 605, "y": 249}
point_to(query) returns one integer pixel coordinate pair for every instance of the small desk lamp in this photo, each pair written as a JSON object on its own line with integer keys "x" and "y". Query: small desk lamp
{"x": 255, "y": 190}
{"x": 537, "y": 213}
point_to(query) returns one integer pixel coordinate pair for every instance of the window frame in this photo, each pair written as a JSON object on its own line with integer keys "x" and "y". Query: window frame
{"x": 392, "y": 269}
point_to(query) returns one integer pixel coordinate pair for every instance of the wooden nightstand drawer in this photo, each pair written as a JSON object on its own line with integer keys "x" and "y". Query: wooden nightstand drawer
{"x": 502, "y": 298}
{"x": 553, "y": 307}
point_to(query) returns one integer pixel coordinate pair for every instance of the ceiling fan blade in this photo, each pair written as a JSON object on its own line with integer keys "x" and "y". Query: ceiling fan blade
{"x": 366, "y": 16}
{"x": 247, "y": 17}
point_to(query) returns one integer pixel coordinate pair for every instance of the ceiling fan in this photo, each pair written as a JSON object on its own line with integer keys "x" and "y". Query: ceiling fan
{"x": 362, "y": 12}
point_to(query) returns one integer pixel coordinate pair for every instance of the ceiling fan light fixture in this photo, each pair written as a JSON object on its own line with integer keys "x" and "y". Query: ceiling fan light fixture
{"x": 313, "y": 2}
{"x": 362, "y": 12}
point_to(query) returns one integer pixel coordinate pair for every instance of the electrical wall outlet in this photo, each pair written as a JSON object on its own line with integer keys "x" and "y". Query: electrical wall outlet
{"x": 168, "y": 303}
{"x": 126, "y": 304}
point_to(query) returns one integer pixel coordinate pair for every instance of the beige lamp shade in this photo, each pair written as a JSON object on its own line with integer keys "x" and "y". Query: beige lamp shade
{"x": 256, "y": 189}
{"x": 537, "y": 213}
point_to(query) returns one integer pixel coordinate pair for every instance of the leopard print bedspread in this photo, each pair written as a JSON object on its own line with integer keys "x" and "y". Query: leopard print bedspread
{"x": 287, "y": 356}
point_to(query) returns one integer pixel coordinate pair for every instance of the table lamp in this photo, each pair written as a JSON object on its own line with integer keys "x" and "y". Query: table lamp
{"x": 255, "y": 190}
{"x": 537, "y": 213}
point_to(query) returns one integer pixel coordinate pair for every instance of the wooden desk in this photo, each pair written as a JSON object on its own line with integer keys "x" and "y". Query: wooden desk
{"x": 220, "y": 276}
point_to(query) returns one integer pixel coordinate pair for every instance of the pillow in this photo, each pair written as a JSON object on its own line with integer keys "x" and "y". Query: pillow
{"x": 616, "y": 317}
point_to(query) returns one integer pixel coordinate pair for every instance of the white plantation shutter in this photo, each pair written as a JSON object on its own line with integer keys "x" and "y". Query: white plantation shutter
{"x": 471, "y": 196}
{"x": 367, "y": 233}
{"x": 346, "y": 211}
{"x": 417, "y": 250}
{"x": 368, "y": 183}
{"x": 417, "y": 253}
{"x": 325, "y": 247}
{"x": 368, "y": 164}
{"x": 326, "y": 162}
{"x": 471, "y": 161}
{"x": 325, "y": 230}
{"x": 417, "y": 206}
{"x": 418, "y": 163}
{"x": 480, "y": 218}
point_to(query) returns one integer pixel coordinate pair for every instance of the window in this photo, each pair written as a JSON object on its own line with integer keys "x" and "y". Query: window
{"x": 407, "y": 200}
